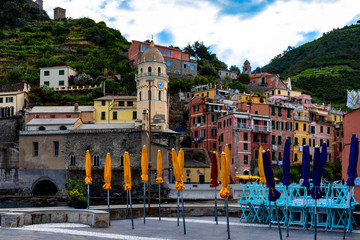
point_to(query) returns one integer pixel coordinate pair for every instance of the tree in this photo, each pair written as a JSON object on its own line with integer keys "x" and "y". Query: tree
{"x": 238, "y": 85}
{"x": 206, "y": 68}
{"x": 244, "y": 78}
{"x": 83, "y": 79}
{"x": 235, "y": 69}
{"x": 13, "y": 76}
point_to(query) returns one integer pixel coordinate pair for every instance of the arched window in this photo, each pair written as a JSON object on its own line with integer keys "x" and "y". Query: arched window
{"x": 149, "y": 69}
{"x": 72, "y": 160}
{"x": 159, "y": 95}
{"x": 122, "y": 160}
{"x": 63, "y": 127}
{"x": 141, "y": 70}
{"x": 42, "y": 128}
{"x": 140, "y": 96}
{"x": 96, "y": 160}
{"x": 159, "y": 69}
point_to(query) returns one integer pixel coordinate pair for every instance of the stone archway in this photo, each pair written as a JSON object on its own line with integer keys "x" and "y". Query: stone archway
{"x": 44, "y": 186}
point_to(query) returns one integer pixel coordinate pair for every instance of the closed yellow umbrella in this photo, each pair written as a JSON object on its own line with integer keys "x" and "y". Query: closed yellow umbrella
{"x": 224, "y": 192}
{"x": 261, "y": 166}
{"x": 127, "y": 172}
{"x": 159, "y": 168}
{"x": 181, "y": 162}
{"x": 179, "y": 185}
{"x": 107, "y": 172}
{"x": 144, "y": 164}
{"x": 88, "y": 179}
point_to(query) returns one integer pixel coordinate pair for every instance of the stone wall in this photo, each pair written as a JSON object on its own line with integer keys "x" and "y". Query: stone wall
{"x": 10, "y": 127}
{"x": 9, "y": 165}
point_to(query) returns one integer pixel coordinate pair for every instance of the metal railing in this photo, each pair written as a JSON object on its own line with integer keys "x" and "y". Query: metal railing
{"x": 151, "y": 74}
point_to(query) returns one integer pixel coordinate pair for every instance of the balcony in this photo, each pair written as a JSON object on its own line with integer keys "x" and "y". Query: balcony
{"x": 301, "y": 118}
{"x": 242, "y": 126}
{"x": 261, "y": 128}
{"x": 147, "y": 74}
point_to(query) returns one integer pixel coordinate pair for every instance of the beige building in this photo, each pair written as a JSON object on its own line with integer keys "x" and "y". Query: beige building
{"x": 53, "y": 124}
{"x": 13, "y": 103}
{"x": 59, "y": 13}
{"x": 56, "y": 77}
{"x": 152, "y": 74}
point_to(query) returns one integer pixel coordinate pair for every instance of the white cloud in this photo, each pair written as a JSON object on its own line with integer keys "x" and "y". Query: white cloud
{"x": 257, "y": 39}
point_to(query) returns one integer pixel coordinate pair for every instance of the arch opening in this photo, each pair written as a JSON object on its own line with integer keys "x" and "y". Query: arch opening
{"x": 45, "y": 187}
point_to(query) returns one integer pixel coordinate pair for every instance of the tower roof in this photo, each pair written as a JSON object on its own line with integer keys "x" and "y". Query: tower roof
{"x": 152, "y": 54}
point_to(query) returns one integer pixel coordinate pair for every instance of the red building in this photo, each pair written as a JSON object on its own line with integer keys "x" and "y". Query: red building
{"x": 282, "y": 129}
{"x": 350, "y": 126}
{"x": 267, "y": 80}
{"x": 177, "y": 61}
{"x": 203, "y": 116}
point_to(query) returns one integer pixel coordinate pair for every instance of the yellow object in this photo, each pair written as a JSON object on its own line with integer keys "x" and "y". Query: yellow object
{"x": 179, "y": 185}
{"x": 277, "y": 179}
{"x": 181, "y": 162}
{"x": 225, "y": 171}
{"x": 144, "y": 164}
{"x": 115, "y": 109}
{"x": 107, "y": 172}
{"x": 261, "y": 166}
{"x": 127, "y": 172}
{"x": 88, "y": 179}
{"x": 247, "y": 177}
{"x": 218, "y": 164}
{"x": 159, "y": 168}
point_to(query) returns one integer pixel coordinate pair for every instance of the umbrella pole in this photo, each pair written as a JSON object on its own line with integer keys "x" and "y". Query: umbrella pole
{"x": 178, "y": 214}
{"x": 306, "y": 209}
{"x": 108, "y": 201}
{"x": 315, "y": 220}
{"x": 127, "y": 203}
{"x": 346, "y": 214}
{"x": 216, "y": 217}
{"x": 88, "y": 198}
{"x": 278, "y": 221}
{"x": 270, "y": 215}
{"x": 131, "y": 213}
{"x": 183, "y": 212}
{"x": 287, "y": 211}
{"x": 227, "y": 217}
{"x": 350, "y": 212}
{"x": 159, "y": 202}
{"x": 144, "y": 203}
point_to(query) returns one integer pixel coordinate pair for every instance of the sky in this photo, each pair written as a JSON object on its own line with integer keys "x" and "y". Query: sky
{"x": 235, "y": 30}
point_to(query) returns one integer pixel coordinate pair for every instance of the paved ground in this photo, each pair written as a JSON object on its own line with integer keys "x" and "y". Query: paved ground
{"x": 196, "y": 227}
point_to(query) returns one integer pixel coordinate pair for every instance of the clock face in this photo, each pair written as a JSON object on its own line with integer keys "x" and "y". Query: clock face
{"x": 160, "y": 84}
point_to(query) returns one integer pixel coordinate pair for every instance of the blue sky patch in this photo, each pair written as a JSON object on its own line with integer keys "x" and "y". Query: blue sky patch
{"x": 125, "y": 5}
{"x": 308, "y": 37}
{"x": 103, "y": 5}
{"x": 165, "y": 37}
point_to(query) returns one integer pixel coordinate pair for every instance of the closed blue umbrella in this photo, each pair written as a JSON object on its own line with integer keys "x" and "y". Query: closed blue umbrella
{"x": 352, "y": 174}
{"x": 286, "y": 179}
{"x": 305, "y": 166}
{"x": 316, "y": 190}
{"x": 323, "y": 157}
{"x": 270, "y": 181}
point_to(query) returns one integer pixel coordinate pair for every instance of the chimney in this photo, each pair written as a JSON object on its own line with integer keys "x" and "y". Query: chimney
{"x": 76, "y": 107}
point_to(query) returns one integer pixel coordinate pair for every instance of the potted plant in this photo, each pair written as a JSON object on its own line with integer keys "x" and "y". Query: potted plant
{"x": 76, "y": 190}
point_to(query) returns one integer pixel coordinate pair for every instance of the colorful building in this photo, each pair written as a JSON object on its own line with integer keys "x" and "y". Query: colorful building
{"x": 177, "y": 61}
{"x": 267, "y": 80}
{"x": 301, "y": 133}
{"x": 282, "y": 92}
{"x": 56, "y": 77}
{"x": 115, "y": 109}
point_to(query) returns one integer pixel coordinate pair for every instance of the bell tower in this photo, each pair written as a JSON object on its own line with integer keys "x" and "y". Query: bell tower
{"x": 246, "y": 67}
{"x": 152, "y": 75}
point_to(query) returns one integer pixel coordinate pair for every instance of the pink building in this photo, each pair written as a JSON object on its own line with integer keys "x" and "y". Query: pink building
{"x": 267, "y": 80}
{"x": 351, "y": 126}
{"x": 203, "y": 116}
{"x": 304, "y": 100}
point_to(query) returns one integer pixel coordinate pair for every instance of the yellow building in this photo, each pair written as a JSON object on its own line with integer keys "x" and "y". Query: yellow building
{"x": 335, "y": 116}
{"x": 12, "y": 103}
{"x": 210, "y": 93}
{"x": 115, "y": 109}
{"x": 301, "y": 133}
{"x": 282, "y": 92}
{"x": 196, "y": 166}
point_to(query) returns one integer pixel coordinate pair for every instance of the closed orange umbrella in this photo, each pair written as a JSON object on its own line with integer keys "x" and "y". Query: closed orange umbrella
{"x": 218, "y": 164}
{"x": 144, "y": 164}
{"x": 224, "y": 192}
{"x": 179, "y": 185}
{"x": 127, "y": 172}
{"x": 261, "y": 166}
{"x": 159, "y": 168}
{"x": 181, "y": 161}
{"x": 107, "y": 172}
{"x": 88, "y": 179}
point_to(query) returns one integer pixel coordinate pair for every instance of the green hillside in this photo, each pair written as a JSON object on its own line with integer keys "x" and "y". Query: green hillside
{"x": 325, "y": 67}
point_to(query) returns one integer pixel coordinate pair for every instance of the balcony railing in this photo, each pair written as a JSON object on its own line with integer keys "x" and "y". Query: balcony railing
{"x": 262, "y": 128}
{"x": 242, "y": 126}
{"x": 151, "y": 74}
{"x": 301, "y": 118}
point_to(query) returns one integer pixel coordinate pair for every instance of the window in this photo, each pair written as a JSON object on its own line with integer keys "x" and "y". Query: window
{"x": 72, "y": 160}
{"x": 140, "y": 96}
{"x": 245, "y": 146}
{"x": 279, "y": 92}
{"x": 63, "y": 127}
{"x": 68, "y": 116}
{"x": 213, "y": 118}
{"x": 122, "y": 160}
{"x": 313, "y": 142}
{"x": 202, "y": 133}
{"x": 203, "y": 119}
{"x": 213, "y": 132}
{"x": 121, "y": 103}
{"x": 35, "y": 149}
{"x": 102, "y": 115}
{"x": 96, "y": 160}
{"x": 296, "y": 126}
{"x": 288, "y": 113}
{"x": 304, "y": 141}
{"x": 279, "y": 112}
{"x": 134, "y": 114}
{"x": 42, "y": 128}
{"x": 230, "y": 149}
{"x": 329, "y": 159}
{"x": 195, "y": 134}
{"x": 321, "y": 129}
{"x": 309, "y": 142}
{"x": 328, "y": 130}
{"x": 222, "y": 137}
{"x": 273, "y": 111}
{"x": 312, "y": 129}
{"x": 304, "y": 126}
{"x": 185, "y": 66}
{"x": 168, "y": 63}
{"x": 102, "y": 102}
{"x": 56, "y": 149}
{"x": 255, "y": 137}
{"x": 245, "y": 136}
{"x": 273, "y": 125}
{"x": 161, "y": 50}
{"x": 159, "y": 70}
{"x": 159, "y": 95}
{"x": 9, "y": 99}
{"x": 61, "y": 72}
{"x": 1, "y": 100}
{"x": 279, "y": 156}
{"x": 52, "y": 116}
{"x": 214, "y": 146}
{"x": 263, "y": 138}
{"x": 129, "y": 103}
{"x": 47, "y": 83}
{"x": 296, "y": 157}
{"x": 321, "y": 142}
{"x": 192, "y": 67}
{"x": 246, "y": 159}
{"x": 256, "y": 153}
{"x": 114, "y": 115}
{"x": 273, "y": 140}
{"x": 273, "y": 153}
{"x": 296, "y": 141}
{"x": 61, "y": 83}
{"x": 143, "y": 48}
{"x": 46, "y": 73}
{"x": 279, "y": 140}
{"x": 168, "y": 52}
